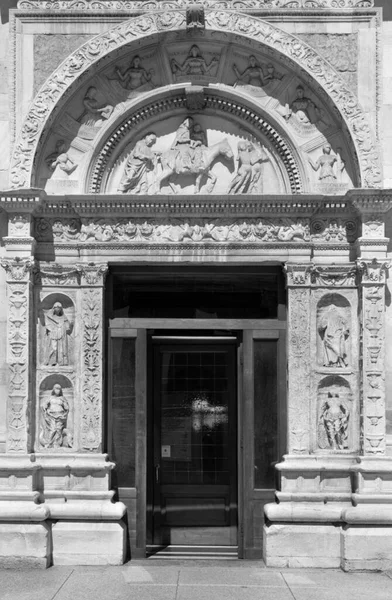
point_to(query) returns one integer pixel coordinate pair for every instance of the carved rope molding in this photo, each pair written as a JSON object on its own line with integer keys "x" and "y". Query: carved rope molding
{"x": 295, "y": 51}
{"x": 159, "y": 4}
{"x": 280, "y": 145}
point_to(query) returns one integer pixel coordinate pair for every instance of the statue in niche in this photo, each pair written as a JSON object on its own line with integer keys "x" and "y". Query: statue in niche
{"x": 248, "y": 176}
{"x": 59, "y": 158}
{"x": 190, "y": 155}
{"x": 140, "y": 163}
{"x": 325, "y": 165}
{"x": 134, "y": 76}
{"x": 305, "y": 109}
{"x": 334, "y": 332}
{"x": 57, "y": 330}
{"x": 335, "y": 417}
{"x": 253, "y": 74}
{"x": 94, "y": 114}
{"x": 194, "y": 64}
{"x": 55, "y": 410}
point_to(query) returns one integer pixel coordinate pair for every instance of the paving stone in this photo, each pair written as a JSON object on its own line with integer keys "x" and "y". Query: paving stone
{"x": 150, "y": 575}
{"x": 231, "y": 576}
{"x": 27, "y": 584}
{"x": 224, "y": 592}
{"x": 94, "y": 584}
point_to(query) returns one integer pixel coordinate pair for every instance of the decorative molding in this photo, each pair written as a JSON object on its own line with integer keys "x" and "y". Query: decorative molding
{"x": 19, "y": 225}
{"x": 56, "y": 274}
{"x": 175, "y": 4}
{"x": 334, "y": 230}
{"x": 18, "y": 269}
{"x": 337, "y": 276}
{"x": 373, "y": 272}
{"x": 92, "y": 274}
{"x": 298, "y": 274}
{"x": 295, "y": 51}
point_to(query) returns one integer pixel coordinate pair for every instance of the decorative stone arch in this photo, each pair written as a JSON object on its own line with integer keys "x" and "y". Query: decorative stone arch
{"x": 292, "y": 51}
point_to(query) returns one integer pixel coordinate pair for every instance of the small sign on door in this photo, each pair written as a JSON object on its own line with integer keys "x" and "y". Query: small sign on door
{"x": 165, "y": 451}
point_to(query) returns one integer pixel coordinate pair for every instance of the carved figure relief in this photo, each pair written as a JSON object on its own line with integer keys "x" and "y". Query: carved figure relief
{"x": 334, "y": 414}
{"x": 248, "y": 178}
{"x": 57, "y": 330}
{"x": 140, "y": 163}
{"x": 325, "y": 165}
{"x": 60, "y": 158}
{"x": 194, "y": 64}
{"x": 253, "y": 74}
{"x": 304, "y": 110}
{"x": 55, "y": 431}
{"x": 94, "y": 114}
{"x": 333, "y": 327}
{"x": 135, "y": 76}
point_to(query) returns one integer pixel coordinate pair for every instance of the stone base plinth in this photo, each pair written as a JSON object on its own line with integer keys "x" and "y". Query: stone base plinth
{"x": 24, "y": 545}
{"x": 366, "y": 548}
{"x": 88, "y": 543}
{"x": 301, "y": 545}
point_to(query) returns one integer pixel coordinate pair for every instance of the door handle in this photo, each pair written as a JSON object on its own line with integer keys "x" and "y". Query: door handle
{"x": 157, "y": 467}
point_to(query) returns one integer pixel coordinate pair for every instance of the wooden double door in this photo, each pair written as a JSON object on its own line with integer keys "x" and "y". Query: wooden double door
{"x": 193, "y": 445}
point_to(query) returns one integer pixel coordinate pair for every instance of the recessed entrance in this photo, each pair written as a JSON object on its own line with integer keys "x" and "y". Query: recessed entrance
{"x": 194, "y": 458}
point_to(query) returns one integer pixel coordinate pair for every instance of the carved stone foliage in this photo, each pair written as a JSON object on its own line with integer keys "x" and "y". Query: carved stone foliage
{"x": 294, "y": 50}
{"x": 373, "y": 354}
{"x": 221, "y": 230}
{"x": 170, "y": 4}
{"x": 335, "y": 413}
{"x": 334, "y": 276}
{"x": 18, "y": 350}
{"x": 333, "y": 328}
{"x": 19, "y": 225}
{"x": 55, "y": 274}
{"x": 57, "y": 319}
{"x": 56, "y": 413}
{"x": 334, "y": 230}
{"x": 91, "y": 408}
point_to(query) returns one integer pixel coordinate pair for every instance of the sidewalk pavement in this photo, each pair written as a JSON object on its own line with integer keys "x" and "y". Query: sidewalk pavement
{"x": 192, "y": 580}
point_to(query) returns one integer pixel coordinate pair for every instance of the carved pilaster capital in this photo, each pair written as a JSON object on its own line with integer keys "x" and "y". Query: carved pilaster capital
{"x": 18, "y": 269}
{"x": 92, "y": 274}
{"x": 55, "y": 274}
{"x": 334, "y": 275}
{"x": 372, "y": 272}
{"x": 298, "y": 275}
{"x": 19, "y": 225}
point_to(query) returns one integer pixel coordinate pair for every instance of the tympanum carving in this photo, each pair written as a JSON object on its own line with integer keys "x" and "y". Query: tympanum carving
{"x": 328, "y": 165}
{"x": 94, "y": 113}
{"x": 304, "y": 110}
{"x": 135, "y": 76}
{"x": 61, "y": 159}
{"x": 334, "y": 414}
{"x": 333, "y": 327}
{"x": 56, "y": 430}
{"x": 194, "y": 64}
{"x": 140, "y": 163}
{"x": 248, "y": 178}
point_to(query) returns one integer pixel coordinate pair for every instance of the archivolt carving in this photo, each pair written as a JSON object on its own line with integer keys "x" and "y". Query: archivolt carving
{"x": 148, "y": 24}
{"x": 171, "y": 4}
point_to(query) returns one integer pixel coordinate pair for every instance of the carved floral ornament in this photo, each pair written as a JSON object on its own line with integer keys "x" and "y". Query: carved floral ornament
{"x": 296, "y": 53}
{"x": 159, "y": 4}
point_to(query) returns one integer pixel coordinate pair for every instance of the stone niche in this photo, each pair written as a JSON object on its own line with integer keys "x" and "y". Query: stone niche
{"x": 56, "y": 332}
{"x": 334, "y": 415}
{"x": 56, "y": 414}
{"x": 334, "y": 332}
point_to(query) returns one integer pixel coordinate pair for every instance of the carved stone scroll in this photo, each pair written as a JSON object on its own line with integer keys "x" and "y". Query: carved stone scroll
{"x": 299, "y": 355}
{"x": 161, "y": 4}
{"x": 19, "y": 406}
{"x": 373, "y": 354}
{"x": 93, "y": 277}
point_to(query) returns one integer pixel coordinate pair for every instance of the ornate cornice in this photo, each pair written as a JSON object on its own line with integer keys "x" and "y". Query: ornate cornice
{"x": 296, "y": 53}
{"x": 113, "y": 5}
{"x": 334, "y": 276}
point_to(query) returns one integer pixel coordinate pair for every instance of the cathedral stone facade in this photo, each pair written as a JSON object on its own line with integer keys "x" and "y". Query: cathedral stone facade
{"x": 195, "y": 300}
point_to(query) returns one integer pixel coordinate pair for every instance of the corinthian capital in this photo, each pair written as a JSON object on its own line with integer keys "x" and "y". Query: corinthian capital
{"x": 373, "y": 271}
{"x": 18, "y": 269}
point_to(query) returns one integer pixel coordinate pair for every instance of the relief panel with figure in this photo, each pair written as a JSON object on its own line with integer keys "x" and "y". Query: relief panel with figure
{"x": 335, "y": 414}
{"x": 56, "y": 413}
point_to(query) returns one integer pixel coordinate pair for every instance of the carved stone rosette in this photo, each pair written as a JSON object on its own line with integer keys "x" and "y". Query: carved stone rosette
{"x": 19, "y": 406}
{"x": 373, "y": 279}
{"x": 93, "y": 277}
{"x": 299, "y": 366}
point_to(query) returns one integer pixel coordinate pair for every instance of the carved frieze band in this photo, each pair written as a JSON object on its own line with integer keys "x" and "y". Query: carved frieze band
{"x": 295, "y": 51}
{"x": 170, "y": 4}
{"x": 373, "y": 279}
{"x": 18, "y": 272}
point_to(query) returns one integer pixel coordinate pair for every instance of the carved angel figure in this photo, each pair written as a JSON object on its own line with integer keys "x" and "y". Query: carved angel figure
{"x": 194, "y": 64}
{"x": 59, "y": 158}
{"x": 94, "y": 115}
{"x": 57, "y": 330}
{"x": 253, "y": 75}
{"x": 140, "y": 163}
{"x": 334, "y": 332}
{"x": 335, "y": 417}
{"x": 135, "y": 75}
{"x": 325, "y": 164}
{"x": 55, "y": 412}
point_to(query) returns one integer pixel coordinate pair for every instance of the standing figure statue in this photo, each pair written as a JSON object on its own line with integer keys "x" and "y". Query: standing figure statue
{"x": 55, "y": 414}
{"x": 334, "y": 331}
{"x": 325, "y": 164}
{"x": 253, "y": 75}
{"x": 135, "y": 75}
{"x": 335, "y": 416}
{"x": 140, "y": 163}
{"x": 248, "y": 176}
{"x": 194, "y": 64}
{"x": 57, "y": 329}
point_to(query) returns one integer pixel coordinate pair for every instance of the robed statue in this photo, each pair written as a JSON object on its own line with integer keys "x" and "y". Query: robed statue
{"x": 57, "y": 328}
